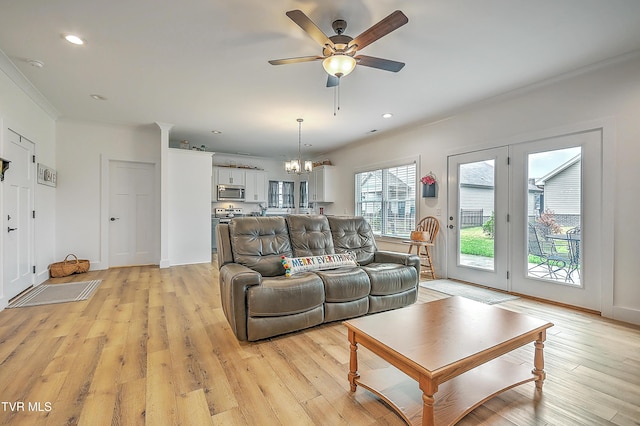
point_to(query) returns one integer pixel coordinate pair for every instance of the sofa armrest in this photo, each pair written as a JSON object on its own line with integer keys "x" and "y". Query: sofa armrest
{"x": 234, "y": 280}
{"x": 382, "y": 256}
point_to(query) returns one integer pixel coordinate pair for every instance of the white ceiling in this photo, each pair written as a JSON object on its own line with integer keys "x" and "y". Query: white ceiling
{"x": 202, "y": 64}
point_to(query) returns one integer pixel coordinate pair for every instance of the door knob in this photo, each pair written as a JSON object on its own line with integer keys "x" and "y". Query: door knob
{"x": 9, "y": 229}
{"x": 113, "y": 219}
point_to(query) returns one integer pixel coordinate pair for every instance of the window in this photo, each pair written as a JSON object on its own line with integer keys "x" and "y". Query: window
{"x": 304, "y": 194}
{"x": 386, "y": 198}
{"x": 281, "y": 194}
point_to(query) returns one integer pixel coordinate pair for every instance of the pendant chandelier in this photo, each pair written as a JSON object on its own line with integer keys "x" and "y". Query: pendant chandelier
{"x": 296, "y": 165}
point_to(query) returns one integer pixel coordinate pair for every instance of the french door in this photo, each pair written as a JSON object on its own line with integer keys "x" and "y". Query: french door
{"x": 564, "y": 220}
{"x": 526, "y": 218}
{"x": 477, "y": 217}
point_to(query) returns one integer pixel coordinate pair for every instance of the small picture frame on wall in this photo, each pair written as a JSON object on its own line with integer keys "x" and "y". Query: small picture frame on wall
{"x": 47, "y": 175}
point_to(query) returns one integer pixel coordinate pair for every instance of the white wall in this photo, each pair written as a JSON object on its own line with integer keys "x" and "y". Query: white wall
{"x": 21, "y": 114}
{"x": 189, "y": 192}
{"x": 81, "y": 149}
{"x": 610, "y": 93}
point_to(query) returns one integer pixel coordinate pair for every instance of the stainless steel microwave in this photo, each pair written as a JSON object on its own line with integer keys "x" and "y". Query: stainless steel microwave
{"x": 230, "y": 193}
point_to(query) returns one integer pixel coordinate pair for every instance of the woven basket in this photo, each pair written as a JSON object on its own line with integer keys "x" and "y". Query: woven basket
{"x": 68, "y": 267}
{"x": 420, "y": 236}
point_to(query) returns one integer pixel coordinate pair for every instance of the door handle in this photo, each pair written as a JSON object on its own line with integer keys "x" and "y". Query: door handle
{"x": 9, "y": 229}
{"x": 113, "y": 219}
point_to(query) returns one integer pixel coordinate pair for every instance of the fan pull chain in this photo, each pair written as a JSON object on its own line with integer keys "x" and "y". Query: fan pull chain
{"x": 336, "y": 99}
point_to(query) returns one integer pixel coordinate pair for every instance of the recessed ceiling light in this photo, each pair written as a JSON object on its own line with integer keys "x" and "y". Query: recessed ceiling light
{"x": 35, "y": 63}
{"x": 216, "y": 132}
{"x": 387, "y": 115}
{"x": 73, "y": 39}
{"x": 98, "y": 97}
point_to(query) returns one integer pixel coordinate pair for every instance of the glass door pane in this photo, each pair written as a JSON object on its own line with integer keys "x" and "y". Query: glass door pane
{"x": 554, "y": 211}
{"x": 476, "y": 191}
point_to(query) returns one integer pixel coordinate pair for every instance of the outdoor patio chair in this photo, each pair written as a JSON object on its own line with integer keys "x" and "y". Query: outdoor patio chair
{"x": 573, "y": 241}
{"x": 551, "y": 261}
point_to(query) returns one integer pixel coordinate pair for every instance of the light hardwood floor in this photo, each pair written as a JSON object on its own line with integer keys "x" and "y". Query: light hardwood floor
{"x": 152, "y": 346}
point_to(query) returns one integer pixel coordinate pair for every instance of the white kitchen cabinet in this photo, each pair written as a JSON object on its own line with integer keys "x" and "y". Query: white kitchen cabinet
{"x": 255, "y": 186}
{"x": 321, "y": 184}
{"x": 230, "y": 176}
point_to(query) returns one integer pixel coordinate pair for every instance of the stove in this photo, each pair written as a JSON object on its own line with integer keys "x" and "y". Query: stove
{"x": 225, "y": 215}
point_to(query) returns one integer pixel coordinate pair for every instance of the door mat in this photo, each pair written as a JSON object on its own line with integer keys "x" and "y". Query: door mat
{"x": 478, "y": 294}
{"x": 46, "y": 294}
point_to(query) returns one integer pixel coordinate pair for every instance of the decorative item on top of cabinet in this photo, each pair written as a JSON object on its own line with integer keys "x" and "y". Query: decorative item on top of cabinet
{"x": 321, "y": 182}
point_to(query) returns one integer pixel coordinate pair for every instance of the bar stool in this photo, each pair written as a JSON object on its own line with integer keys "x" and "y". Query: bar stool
{"x": 423, "y": 238}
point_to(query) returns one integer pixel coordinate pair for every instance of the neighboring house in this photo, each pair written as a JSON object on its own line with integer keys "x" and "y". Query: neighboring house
{"x": 476, "y": 191}
{"x": 535, "y": 200}
{"x": 399, "y": 201}
{"x": 371, "y": 192}
{"x": 562, "y": 192}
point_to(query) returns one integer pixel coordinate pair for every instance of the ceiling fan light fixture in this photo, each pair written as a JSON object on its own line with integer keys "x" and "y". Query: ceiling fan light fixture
{"x": 339, "y": 65}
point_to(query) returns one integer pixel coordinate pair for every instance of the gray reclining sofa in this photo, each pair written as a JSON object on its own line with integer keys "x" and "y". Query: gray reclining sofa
{"x": 259, "y": 301}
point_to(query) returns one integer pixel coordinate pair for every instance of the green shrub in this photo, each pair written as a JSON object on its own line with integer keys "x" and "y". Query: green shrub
{"x": 489, "y": 226}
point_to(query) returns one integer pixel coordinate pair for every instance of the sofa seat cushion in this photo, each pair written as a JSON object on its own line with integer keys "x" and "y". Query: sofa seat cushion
{"x": 278, "y": 296}
{"x": 390, "y": 278}
{"x": 344, "y": 284}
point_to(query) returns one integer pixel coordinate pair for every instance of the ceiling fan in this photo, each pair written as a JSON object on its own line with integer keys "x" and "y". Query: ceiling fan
{"x": 339, "y": 51}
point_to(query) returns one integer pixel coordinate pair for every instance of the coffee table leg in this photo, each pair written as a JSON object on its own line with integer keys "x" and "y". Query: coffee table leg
{"x": 538, "y": 359}
{"x": 353, "y": 361}
{"x": 428, "y": 390}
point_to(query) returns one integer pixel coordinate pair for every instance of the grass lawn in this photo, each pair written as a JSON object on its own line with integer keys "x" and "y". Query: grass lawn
{"x": 474, "y": 241}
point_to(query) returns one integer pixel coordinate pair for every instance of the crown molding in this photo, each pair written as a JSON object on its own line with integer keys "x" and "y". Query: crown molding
{"x": 23, "y": 83}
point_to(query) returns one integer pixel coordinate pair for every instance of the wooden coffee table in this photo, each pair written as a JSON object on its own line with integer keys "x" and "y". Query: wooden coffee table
{"x": 445, "y": 356}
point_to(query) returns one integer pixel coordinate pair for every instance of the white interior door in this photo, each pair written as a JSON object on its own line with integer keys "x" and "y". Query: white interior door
{"x": 17, "y": 221}
{"x": 133, "y": 230}
{"x": 478, "y": 194}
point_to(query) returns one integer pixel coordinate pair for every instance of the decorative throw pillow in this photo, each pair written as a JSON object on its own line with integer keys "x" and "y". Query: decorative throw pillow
{"x": 293, "y": 265}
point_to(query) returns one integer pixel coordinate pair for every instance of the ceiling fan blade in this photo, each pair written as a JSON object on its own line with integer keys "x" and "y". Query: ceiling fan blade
{"x": 309, "y": 27}
{"x": 333, "y": 81}
{"x": 295, "y": 60}
{"x": 381, "y": 29}
{"x": 383, "y": 64}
